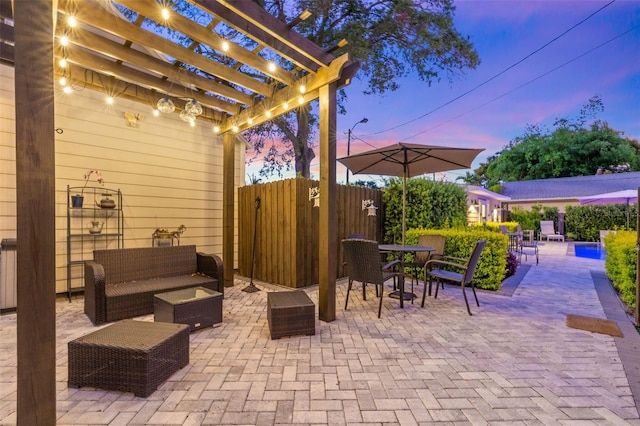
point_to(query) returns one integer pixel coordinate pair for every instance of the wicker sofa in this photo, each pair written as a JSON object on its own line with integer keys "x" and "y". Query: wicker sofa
{"x": 121, "y": 283}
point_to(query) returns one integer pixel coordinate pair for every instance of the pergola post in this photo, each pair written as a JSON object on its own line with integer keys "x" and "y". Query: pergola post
{"x": 228, "y": 176}
{"x": 328, "y": 219}
{"x": 35, "y": 194}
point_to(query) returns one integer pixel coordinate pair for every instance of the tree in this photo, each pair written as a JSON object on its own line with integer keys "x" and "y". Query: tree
{"x": 391, "y": 39}
{"x": 571, "y": 149}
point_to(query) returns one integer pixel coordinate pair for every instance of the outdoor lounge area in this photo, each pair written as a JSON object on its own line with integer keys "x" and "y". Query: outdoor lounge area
{"x": 515, "y": 361}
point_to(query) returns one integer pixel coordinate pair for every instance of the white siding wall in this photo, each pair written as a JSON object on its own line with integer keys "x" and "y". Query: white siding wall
{"x": 169, "y": 172}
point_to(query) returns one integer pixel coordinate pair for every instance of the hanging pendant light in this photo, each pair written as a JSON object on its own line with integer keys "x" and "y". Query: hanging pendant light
{"x": 193, "y": 107}
{"x": 165, "y": 105}
{"x": 187, "y": 117}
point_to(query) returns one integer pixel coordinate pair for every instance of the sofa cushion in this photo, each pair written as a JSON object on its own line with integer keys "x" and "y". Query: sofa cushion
{"x": 126, "y": 265}
{"x": 135, "y": 298}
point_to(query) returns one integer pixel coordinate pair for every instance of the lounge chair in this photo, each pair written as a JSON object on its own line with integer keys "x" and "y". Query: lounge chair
{"x": 547, "y": 230}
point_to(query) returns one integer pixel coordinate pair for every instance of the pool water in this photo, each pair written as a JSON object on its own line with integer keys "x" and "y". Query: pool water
{"x": 591, "y": 251}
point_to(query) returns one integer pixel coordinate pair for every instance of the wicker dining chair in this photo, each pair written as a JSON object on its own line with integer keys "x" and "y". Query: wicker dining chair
{"x": 436, "y": 241}
{"x": 362, "y": 262}
{"x": 467, "y": 268}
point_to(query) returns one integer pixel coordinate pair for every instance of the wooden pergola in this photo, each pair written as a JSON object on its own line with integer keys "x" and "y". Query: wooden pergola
{"x": 261, "y": 72}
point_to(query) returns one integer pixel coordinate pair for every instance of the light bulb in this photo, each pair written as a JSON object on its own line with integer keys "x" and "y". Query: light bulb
{"x": 64, "y": 40}
{"x": 165, "y": 13}
{"x": 272, "y": 66}
{"x": 235, "y": 128}
{"x": 303, "y": 88}
{"x": 72, "y": 21}
{"x": 193, "y": 107}
{"x": 285, "y": 105}
{"x": 109, "y": 100}
{"x": 250, "y": 120}
{"x": 301, "y": 100}
{"x": 165, "y": 105}
{"x": 268, "y": 114}
{"x": 216, "y": 129}
{"x": 193, "y": 123}
{"x": 63, "y": 63}
{"x": 225, "y": 46}
{"x": 63, "y": 81}
{"x": 156, "y": 113}
{"x": 186, "y": 116}
{"x": 67, "y": 89}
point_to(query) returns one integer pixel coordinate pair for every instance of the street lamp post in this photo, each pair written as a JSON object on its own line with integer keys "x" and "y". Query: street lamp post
{"x": 363, "y": 121}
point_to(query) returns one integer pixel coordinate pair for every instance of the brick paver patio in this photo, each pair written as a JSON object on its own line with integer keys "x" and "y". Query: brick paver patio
{"x": 514, "y": 362}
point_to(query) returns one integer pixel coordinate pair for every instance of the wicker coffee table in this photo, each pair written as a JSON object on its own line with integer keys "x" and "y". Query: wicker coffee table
{"x": 198, "y": 307}
{"x": 290, "y": 313}
{"x": 129, "y": 356}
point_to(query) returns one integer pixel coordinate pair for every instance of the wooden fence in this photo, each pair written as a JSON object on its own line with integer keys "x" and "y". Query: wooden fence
{"x": 286, "y": 236}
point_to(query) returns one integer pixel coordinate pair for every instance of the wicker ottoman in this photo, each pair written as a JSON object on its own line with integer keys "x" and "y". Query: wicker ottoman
{"x": 198, "y": 307}
{"x": 290, "y": 313}
{"x": 129, "y": 356}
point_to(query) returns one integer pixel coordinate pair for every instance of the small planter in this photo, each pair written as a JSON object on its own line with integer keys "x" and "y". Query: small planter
{"x": 76, "y": 201}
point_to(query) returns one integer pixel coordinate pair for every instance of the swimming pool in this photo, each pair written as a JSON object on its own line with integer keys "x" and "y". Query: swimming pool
{"x": 590, "y": 250}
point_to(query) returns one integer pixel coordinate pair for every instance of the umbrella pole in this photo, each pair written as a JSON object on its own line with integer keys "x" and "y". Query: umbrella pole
{"x": 404, "y": 201}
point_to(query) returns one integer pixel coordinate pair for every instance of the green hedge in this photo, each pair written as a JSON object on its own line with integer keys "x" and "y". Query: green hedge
{"x": 495, "y": 226}
{"x": 493, "y": 261}
{"x": 621, "y": 264}
{"x": 587, "y": 221}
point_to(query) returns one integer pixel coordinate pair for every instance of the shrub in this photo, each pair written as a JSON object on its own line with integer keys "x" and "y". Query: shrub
{"x": 621, "y": 264}
{"x": 512, "y": 264}
{"x": 492, "y": 264}
{"x": 430, "y": 204}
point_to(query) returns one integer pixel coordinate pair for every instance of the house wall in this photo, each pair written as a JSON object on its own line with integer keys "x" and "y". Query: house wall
{"x": 482, "y": 210}
{"x": 169, "y": 172}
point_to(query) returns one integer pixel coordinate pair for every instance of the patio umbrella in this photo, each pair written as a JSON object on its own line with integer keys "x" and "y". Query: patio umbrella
{"x": 409, "y": 160}
{"x": 627, "y": 196}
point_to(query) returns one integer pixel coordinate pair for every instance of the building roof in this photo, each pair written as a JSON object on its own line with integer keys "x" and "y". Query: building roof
{"x": 571, "y": 187}
{"x": 480, "y": 191}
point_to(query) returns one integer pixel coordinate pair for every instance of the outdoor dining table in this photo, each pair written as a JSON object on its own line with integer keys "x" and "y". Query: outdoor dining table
{"x": 403, "y": 249}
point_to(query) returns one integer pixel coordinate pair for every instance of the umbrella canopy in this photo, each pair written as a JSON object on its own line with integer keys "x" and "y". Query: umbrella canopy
{"x": 409, "y": 160}
{"x": 627, "y": 196}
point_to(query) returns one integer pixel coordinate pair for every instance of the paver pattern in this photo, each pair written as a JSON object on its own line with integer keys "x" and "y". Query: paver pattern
{"x": 514, "y": 362}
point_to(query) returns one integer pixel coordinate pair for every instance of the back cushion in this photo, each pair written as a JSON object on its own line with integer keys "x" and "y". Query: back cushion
{"x": 121, "y": 265}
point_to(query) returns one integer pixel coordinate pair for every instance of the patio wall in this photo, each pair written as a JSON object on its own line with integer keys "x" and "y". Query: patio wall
{"x": 169, "y": 172}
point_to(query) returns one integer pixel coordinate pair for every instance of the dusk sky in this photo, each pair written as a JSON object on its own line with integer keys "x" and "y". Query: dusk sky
{"x": 601, "y": 57}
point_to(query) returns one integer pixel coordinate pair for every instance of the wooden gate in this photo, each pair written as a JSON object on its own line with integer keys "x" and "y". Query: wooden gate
{"x": 286, "y": 250}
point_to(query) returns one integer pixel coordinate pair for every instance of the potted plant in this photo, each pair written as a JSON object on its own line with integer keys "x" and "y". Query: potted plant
{"x": 78, "y": 199}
